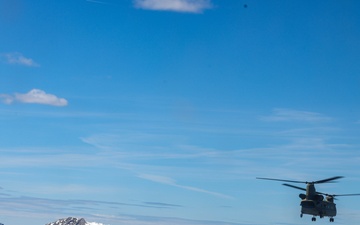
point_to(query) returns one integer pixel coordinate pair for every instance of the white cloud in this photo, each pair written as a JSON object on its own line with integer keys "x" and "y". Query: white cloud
{"x": 35, "y": 96}
{"x": 93, "y": 223}
{"x": 192, "y": 6}
{"x": 18, "y": 59}
{"x": 290, "y": 115}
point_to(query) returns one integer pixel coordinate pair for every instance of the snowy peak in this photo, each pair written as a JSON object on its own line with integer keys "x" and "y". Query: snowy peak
{"x": 72, "y": 221}
{"x": 69, "y": 221}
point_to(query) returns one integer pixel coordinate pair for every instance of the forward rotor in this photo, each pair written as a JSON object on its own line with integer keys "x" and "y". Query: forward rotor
{"x": 328, "y": 180}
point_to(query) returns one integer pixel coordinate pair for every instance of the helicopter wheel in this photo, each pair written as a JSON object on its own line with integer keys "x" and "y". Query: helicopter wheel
{"x": 301, "y": 215}
{"x": 313, "y": 219}
{"x": 331, "y": 219}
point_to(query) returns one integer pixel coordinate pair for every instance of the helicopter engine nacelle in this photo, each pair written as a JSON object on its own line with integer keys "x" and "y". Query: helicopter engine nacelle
{"x": 302, "y": 196}
{"x": 319, "y": 198}
{"x": 330, "y": 198}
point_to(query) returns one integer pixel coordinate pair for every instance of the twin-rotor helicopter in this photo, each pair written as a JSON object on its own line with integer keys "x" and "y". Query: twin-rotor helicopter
{"x": 313, "y": 202}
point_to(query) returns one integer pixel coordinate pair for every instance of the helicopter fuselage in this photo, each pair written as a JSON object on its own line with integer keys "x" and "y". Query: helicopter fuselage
{"x": 313, "y": 203}
{"x": 318, "y": 208}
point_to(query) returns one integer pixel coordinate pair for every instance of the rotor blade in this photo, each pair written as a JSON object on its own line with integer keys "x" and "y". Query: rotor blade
{"x": 345, "y": 195}
{"x": 327, "y": 180}
{"x": 320, "y": 193}
{"x": 292, "y": 181}
{"x": 300, "y": 188}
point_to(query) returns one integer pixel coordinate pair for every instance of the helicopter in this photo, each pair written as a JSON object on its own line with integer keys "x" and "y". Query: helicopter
{"x": 313, "y": 202}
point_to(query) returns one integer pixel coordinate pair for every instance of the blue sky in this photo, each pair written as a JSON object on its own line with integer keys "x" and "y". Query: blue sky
{"x": 164, "y": 111}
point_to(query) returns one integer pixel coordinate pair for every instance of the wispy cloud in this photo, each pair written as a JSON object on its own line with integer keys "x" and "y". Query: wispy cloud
{"x": 290, "y": 115}
{"x": 172, "y": 182}
{"x": 190, "y": 6}
{"x": 43, "y": 207}
{"x": 53, "y": 209}
{"x": 98, "y": 2}
{"x": 161, "y": 204}
{"x": 34, "y": 96}
{"x": 17, "y": 58}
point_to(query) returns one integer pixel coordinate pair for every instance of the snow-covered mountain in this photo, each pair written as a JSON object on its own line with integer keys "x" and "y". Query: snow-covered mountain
{"x": 73, "y": 221}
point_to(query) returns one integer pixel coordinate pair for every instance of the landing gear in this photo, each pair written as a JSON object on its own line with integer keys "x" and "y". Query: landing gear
{"x": 301, "y": 215}
{"x": 313, "y": 219}
{"x": 331, "y": 219}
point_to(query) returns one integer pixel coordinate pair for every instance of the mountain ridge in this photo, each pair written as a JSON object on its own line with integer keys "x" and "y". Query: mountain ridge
{"x": 73, "y": 221}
